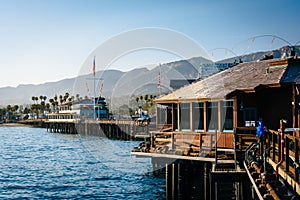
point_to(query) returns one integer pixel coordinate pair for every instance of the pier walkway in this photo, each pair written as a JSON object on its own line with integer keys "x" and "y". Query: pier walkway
{"x": 170, "y": 150}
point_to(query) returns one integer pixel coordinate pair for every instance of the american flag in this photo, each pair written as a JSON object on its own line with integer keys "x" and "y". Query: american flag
{"x": 94, "y": 67}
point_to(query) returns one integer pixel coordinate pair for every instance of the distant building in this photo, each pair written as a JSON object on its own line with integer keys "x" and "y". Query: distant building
{"x": 176, "y": 84}
{"x": 81, "y": 110}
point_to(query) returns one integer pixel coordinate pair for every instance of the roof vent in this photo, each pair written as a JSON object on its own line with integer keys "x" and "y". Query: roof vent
{"x": 267, "y": 70}
{"x": 267, "y": 57}
{"x": 293, "y": 51}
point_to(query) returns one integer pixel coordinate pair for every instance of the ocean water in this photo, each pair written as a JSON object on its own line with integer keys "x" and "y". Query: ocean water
{"x": 35, "y": 164}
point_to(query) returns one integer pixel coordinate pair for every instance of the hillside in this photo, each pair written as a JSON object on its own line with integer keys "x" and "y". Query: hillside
{"x": 135, "y": 82}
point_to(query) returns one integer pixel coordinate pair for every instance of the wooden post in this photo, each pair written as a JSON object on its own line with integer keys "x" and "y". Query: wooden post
{"x": 235, "y": 112}
{"x": 174, "y": 181}
{"x": 173, "y": 142}
{"x": 178, "y": 117}
{"x": 207, "y": 182}
{"x": 191, "y": 117}
{"x": 211, "y": 141}
{"x": 201, "y": 141}
{"x": 178, "y": 182}
{"x": 294, "y": 107}
{"x": 279, "y": 149}
{"x": 173, "y": 113}
{"x": 168, "y": 181}
{"x": 273, "y": 146}
{"x": 296, "y": 143}
{"x": 205, "y": 116}
{"x": 220, "y": 116}
{"x": 216, "y": 147}
{"x": 287, "y": 156}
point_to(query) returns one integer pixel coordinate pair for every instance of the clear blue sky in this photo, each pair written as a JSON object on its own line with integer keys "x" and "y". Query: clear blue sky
{"x": 43, "y": 40}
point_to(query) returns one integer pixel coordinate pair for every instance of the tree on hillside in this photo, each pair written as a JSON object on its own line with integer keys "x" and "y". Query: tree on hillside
{"x": 137, "y": 99}
{"x": 77, "y": 97}
{"x": 15, "y": 108}
{"x": 55, "y": 98}
{"x": 47, "y": 107}
{"x": 66, "y": 96}
{"x": 41, "y": 98}
{"x": 33, "y": 99}
{"x": 61, "y": 99}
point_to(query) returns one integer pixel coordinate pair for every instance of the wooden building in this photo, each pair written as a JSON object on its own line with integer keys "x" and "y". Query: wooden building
{"x": 236, "y": 97}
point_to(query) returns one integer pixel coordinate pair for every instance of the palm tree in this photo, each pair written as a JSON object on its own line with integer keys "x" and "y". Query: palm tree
{"x": 137, "y": 99}
{"x": 8, "y": 108}
{"x": 55, "y": 98}
{"x": 15, "y": 108}
{"x": 60, "y": 99}
{"x": 48, "y": 106}
{"x": 41, "y": 98}
{"x": 33, "y": 99}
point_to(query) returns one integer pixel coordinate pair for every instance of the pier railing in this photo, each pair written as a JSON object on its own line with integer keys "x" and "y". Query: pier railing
{"x": 191, "y": 143}
{"x": 291, "y": 146}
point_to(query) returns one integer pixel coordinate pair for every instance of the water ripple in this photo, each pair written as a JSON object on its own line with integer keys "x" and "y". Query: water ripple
{"x": 35, "y": 164}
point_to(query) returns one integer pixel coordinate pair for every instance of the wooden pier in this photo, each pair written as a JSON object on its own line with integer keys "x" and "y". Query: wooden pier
{"x": 213, "y": 169}
{"x": 114, "y": 129}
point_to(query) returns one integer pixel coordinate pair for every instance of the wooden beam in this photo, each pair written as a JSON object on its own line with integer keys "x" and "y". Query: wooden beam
{"x": 219, "y": 116}
{"x": 205, "y": 115}
{"x": 294, "y": 107}
{"x": 191, "y": 117}
{"x": 173, "y": 113}
{"x": 235, "y": 112}
{"x": 178, "y": 117}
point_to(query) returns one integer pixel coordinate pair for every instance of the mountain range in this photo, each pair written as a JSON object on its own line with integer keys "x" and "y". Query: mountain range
{"x": 136, "y": 82}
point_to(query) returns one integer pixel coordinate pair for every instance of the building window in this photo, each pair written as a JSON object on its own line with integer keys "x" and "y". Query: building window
{"x": 227, "y": 116}
{"x": 175, "y": 116}
{"x": 212, "y": 116}
{"x": 250, "y": 116}
{"x": 185, "y": 116}
{"x": 161, "y": 114}
{"x": 198, "y": 116}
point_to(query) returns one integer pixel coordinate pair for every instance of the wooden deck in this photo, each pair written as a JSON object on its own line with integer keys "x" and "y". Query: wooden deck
{"x": 179, "y": 157}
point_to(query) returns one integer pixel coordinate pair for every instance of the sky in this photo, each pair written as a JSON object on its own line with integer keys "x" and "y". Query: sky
{"x": 45, "y": 41}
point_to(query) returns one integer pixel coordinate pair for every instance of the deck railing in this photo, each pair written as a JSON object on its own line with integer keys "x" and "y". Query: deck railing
{"x": 191, "y": 141}
{"x": 291, "y": 151}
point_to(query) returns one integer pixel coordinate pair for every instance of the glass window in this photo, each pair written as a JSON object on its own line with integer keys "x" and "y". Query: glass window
{"x": 175, "y": 117}
{"x": 227, "y": 116}
{"x": 185, "y": 116}
{"x": 198, "y": 116}
{"x": 161, "y": 114}
{"x": 212, "y": 116}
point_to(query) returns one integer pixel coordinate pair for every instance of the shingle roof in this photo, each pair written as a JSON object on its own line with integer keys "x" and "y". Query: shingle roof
{"x": 244, "y": 76}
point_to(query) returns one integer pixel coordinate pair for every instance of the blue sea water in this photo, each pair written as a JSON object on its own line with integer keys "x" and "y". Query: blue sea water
{"x": 35, "y": 164}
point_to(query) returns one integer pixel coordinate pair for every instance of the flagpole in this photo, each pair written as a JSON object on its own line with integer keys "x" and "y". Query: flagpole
{"x": 94, "y": 79}
{"x": 94, "y": 98}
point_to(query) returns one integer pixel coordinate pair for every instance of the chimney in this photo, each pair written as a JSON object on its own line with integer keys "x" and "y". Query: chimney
{"x": 293, "y": 51}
